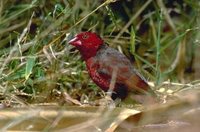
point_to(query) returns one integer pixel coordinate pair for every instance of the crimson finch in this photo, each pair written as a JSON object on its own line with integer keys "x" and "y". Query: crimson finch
{"x": 102, "y": 61}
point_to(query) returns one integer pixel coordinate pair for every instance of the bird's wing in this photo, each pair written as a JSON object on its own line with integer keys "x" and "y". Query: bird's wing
{"x": 110, "y": 61}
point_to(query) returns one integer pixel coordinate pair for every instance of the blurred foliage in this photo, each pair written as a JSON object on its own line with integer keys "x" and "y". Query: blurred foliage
{"x": 37, "y": 64}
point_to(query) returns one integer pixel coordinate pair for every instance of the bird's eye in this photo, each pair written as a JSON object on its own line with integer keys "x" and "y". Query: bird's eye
{"x": 85, "y": 36}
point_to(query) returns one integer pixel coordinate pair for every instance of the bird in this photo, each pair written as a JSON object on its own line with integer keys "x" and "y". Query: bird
{"x": 103, "y": 62}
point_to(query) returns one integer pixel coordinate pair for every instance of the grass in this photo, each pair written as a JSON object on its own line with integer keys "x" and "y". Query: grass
{"x": 37, "y": 65}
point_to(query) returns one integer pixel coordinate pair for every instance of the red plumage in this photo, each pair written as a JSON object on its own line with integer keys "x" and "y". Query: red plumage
{"x": 102, "y": 61}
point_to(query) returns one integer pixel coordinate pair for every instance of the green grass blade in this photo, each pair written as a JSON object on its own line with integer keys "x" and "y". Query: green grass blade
{"x": 132, "y": 41}
{"x": 29, "y": 66}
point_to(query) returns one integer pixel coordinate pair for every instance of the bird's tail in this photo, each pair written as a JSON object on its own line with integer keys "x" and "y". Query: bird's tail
{"x": 145, "y": 94}
{"x": 139, "y": 84}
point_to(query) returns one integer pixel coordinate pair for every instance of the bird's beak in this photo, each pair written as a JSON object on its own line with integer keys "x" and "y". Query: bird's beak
{"x": 75, "y": 42}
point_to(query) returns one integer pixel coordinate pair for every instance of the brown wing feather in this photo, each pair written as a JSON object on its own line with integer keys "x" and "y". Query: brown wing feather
{"x": 110, "y": 59}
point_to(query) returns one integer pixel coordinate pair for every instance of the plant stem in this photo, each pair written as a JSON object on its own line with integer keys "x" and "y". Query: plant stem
{"x": 158, "y": 73}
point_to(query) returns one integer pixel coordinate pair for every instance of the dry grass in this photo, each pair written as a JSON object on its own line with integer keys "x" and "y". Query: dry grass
{"x": 37, "y": 66}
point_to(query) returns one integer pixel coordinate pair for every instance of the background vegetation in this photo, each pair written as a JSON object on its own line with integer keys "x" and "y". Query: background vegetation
{"x": 37, "y": 65}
